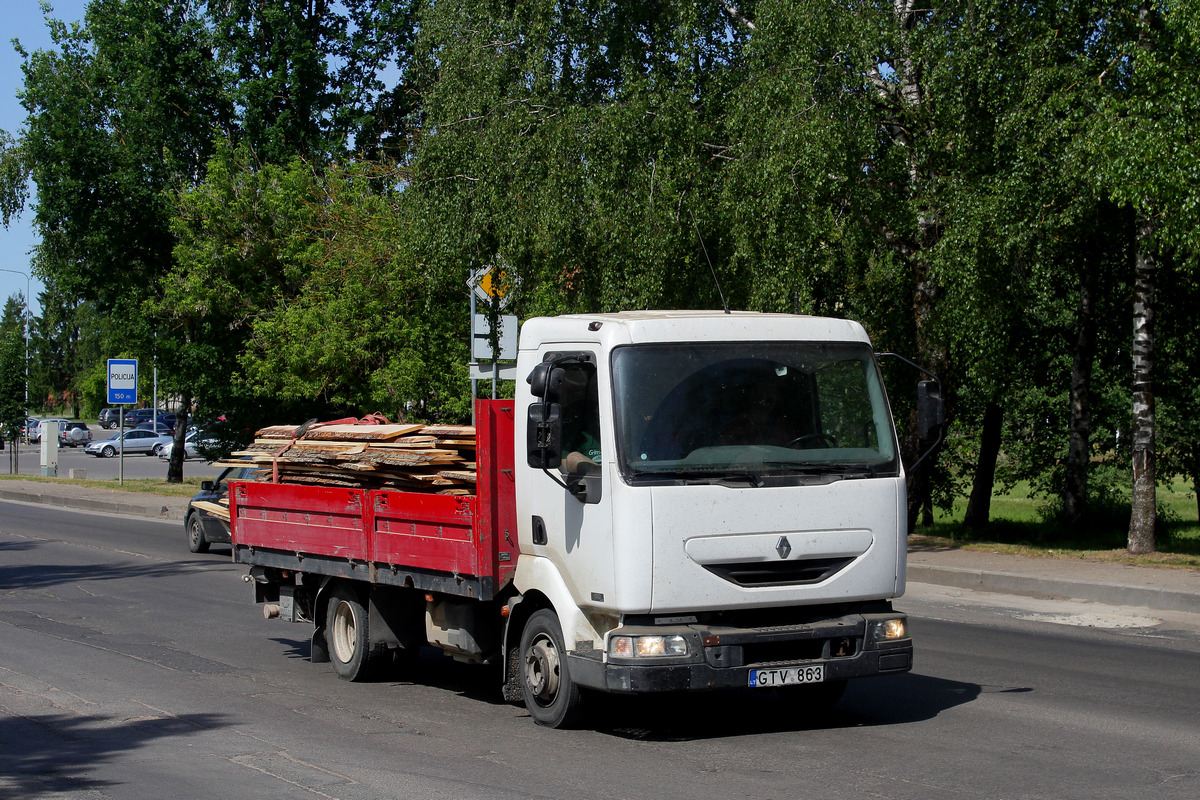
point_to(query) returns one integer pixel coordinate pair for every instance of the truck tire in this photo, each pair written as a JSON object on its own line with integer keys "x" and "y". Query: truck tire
{"x": 552, "y": 698}
{"x": 348, "y": 634}
{"x": 197, "y": 543}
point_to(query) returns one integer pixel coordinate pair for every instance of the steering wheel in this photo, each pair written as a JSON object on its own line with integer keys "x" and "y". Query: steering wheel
{"x": 828, "y": 439}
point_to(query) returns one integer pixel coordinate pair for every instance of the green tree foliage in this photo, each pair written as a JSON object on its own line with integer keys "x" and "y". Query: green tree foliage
{"x": 574, "y": 142}
{"x": 119, "y": 115}
{"x": 276, "y": 54}
{"x": 12, "y": 369}
{"x": 984, "y": 185}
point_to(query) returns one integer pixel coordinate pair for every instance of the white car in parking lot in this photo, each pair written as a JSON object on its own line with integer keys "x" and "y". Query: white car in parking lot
{"x": 35, "y": 430}
{"x": 191, "y": 442}
{"x": 136, "y": 441}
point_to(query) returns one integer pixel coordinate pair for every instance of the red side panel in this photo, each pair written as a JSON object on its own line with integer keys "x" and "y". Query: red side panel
{"x": 496, "y": 488}
{"x": 473, "y": 535}
{"x": 426, "y": 531}
{"x": 318, "y": 520}
{"x": 470, "y": 535}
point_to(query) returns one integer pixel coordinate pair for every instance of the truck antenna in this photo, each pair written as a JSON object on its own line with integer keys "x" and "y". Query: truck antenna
{"x": 711, "y": 269}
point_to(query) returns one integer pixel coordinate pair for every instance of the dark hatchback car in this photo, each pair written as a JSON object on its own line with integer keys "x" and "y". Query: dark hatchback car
{"x": 203, "y": 527}
{"x": 141, "y": 415}
{"x": 111, "y": 417}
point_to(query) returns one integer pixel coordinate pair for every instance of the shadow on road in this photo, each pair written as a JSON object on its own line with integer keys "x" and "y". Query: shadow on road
{"x": 52, "y": 755}
{"x": 41, "y": 576}
{"x": 890, "y": 700}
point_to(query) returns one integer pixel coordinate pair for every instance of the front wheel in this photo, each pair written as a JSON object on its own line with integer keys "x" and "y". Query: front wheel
{"x": 552, "y": 698}
{"x": 197, "y": 543}
{"x": 348, "y": 635}
{"x": 108, "y": 452}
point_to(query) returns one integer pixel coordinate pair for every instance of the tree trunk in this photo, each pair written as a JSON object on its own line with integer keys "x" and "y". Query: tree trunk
{"x": 1141, "y": 522}
{"x": 1075, "y": 492}
{"x": 979, "y": 505}
{"x": 175, "y": 464}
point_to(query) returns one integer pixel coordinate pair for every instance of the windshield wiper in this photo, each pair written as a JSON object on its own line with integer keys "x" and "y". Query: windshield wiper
{"x": 705, "y": 476}
{"x": 811, "y": 468}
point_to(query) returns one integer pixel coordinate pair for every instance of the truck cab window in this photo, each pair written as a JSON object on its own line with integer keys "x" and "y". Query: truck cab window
{"x": 780, "y": 410}
{"x": 580, "y": 401}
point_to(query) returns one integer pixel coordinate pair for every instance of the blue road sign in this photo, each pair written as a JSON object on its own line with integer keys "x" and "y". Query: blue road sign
{"x": 122, "y": 381}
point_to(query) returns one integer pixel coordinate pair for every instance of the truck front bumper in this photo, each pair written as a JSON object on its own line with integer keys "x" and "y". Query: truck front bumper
{"x": 723, "y": 658}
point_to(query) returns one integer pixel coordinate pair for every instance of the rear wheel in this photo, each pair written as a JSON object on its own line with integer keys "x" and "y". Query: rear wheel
{"x": 348, "y": 635}
{"x": 553, "y": 699}
{"x": 197, "y": 543}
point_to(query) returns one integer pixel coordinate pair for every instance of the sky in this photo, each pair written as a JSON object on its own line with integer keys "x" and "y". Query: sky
{"x": 23, "y": 20}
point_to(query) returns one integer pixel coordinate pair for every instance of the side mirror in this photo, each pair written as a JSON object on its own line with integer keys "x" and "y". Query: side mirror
{"x": 538, "y": 379}
{"x": 931, "y": 410}
{"x": 207, "y": 486}
{"x": 546, "y": 380}
{"x": 544, "y": 435}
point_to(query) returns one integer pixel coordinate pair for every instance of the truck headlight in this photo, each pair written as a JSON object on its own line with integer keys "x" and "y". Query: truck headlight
{"x": 647, "y": 646}
{"x": 886, "y": 630}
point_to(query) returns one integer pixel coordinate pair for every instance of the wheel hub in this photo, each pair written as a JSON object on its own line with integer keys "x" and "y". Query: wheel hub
{"x": 345, "y": 637}
{"x": 542, "y": 670}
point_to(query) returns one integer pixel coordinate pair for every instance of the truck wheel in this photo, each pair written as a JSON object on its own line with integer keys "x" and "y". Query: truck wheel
{"x": 348, "y": 635}
{"x": 195, "y": 530}
{"x": 552, "y": 698}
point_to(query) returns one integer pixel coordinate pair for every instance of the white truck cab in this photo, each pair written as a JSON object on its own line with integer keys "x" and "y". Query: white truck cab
{"x": 708, "y": 500}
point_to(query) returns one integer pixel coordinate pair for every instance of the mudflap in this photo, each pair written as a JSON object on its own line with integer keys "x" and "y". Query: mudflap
{"x": 318, "y": 653}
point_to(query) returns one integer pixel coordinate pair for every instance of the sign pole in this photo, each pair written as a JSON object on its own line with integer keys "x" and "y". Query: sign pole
{"x": 474, "y": 383}
{"x": 122, "y": 390}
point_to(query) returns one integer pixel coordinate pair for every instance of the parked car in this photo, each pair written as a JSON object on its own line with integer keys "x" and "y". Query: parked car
{"x": 136, "y": 441}
{"x": 35, "y": 435}
{"x": 111, "y": 417}
{"x": 162, "y": 428}
{"x": 191, "y": 442}
{"x": 74, "y": 434}
{"x": 143, "y": 415}
{"x": 203, "y": 527}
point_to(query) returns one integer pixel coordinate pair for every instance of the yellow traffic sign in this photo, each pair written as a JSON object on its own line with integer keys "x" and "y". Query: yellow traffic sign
{"x": 492, "y": 283}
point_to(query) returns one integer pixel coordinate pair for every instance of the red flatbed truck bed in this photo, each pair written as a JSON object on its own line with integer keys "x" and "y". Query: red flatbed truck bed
{"x": 459, "y": 545}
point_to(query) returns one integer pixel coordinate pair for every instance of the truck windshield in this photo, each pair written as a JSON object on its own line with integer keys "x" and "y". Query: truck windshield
{"x": 751, "y": 413}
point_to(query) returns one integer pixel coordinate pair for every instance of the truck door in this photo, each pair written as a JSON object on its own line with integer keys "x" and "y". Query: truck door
{"x": 574, "y": 528}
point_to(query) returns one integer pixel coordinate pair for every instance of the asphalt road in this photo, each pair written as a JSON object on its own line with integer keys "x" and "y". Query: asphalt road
{"x": 135, "y": 466}
{"x": 131, "y": 669}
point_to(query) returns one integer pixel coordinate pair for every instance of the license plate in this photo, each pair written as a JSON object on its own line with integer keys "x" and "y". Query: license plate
{"x": 788, "y": 676}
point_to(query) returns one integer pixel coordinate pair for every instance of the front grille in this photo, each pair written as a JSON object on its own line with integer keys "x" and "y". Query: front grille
{"x": 789, "y": 652}
{"x": 779, "y": 573}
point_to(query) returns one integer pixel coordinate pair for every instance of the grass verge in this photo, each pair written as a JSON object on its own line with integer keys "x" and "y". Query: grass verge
{"x": 142, "y": 485}
{"x": 1022, "y": 524}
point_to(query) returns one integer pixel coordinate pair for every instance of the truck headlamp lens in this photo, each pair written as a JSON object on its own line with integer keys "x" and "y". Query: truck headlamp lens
{"x": 647, "y": 646}
{"x": 888, "y": 629}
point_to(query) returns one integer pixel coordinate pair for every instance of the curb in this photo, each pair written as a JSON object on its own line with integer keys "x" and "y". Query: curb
{"x": 1039, "y": 586}
{"x": 155, "y": 510}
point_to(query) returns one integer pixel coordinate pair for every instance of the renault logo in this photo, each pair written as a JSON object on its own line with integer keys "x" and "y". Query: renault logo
{"x": 783, "y": 547}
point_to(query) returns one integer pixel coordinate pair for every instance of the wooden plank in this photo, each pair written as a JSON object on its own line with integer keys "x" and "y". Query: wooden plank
{"x": 450, "y": 431}
{"x": 459, "y": 475}
{"x": 216, "y": 509}
{"x": 361, "y": 432}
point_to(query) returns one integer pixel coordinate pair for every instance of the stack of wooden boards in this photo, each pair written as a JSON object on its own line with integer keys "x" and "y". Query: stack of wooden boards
{"x": 437, "y": 459}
